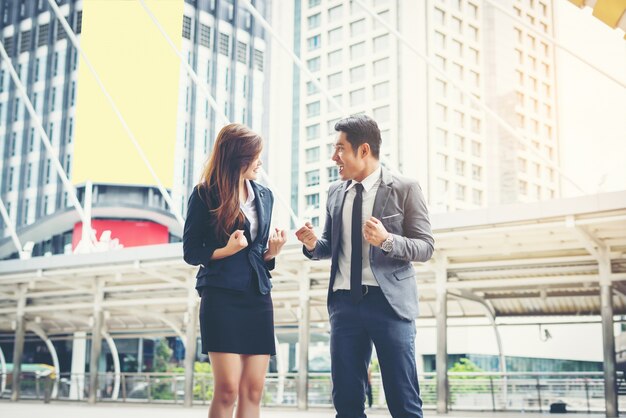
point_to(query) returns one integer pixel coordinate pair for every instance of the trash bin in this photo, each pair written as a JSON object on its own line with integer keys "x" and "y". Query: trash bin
{"x": 558, "y": 408}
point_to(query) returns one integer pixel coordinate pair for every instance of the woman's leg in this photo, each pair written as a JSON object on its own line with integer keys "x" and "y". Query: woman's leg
{"x": 251, "y": 385}
{"x": 227, "y": 372}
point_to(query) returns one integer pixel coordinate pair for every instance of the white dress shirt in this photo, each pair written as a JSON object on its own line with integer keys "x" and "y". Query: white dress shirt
{"x": 370, "y": 187}
{"x": 249, "y": 210}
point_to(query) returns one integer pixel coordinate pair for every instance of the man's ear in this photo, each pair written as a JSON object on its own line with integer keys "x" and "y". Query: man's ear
{"x": 365, "y": 149}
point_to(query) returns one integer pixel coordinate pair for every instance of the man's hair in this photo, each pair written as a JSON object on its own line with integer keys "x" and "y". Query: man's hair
{"x": 361, "y": 129}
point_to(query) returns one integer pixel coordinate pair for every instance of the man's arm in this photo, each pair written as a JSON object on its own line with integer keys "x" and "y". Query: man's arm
{"x": 417, "y": 242}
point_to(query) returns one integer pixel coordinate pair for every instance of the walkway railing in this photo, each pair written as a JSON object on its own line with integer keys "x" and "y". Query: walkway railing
{"x": 579, "y": 391}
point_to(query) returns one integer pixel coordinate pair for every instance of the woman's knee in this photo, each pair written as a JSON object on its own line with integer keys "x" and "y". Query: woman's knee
{"x": 251, "y": 391}
{"x": 226, "y": 393}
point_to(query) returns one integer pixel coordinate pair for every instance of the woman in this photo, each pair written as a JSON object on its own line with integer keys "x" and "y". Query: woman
{"x": 227, "y": 233}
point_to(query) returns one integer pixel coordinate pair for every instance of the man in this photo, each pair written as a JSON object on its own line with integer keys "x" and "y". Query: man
{"x": 376, "y": 225}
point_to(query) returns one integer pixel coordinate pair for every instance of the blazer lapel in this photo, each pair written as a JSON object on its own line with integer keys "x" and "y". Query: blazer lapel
{"x": 337, "y": 217}
{"x": 260, "y": 208}
{"x": 382, "y": 194}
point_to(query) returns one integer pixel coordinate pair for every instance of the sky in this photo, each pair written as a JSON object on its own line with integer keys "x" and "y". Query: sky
{"x": 592, "y": 108}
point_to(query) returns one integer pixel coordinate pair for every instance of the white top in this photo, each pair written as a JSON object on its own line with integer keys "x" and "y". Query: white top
{"x": 249, "y": 210}
{"x": 370, "y": 187}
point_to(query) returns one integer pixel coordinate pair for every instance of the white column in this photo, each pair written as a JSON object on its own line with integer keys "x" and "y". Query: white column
{"x": 190, "y": 343}
{"x": 441, "y": 273}
{"x": 79, "y": 355}
{"x": 608, "y": 337}
{"x": 304, "y": 319}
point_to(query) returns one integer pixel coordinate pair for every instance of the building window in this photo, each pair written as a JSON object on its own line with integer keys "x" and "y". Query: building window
{"x": 242, "y": 52}
{"x": 334, "y": 58}
{"x": 381, "y": 43}
{"x": 48, "y": 163}
{"x": 186, "y": 27}
{"x": 8, "y": 45}
{"x": 79, "y": 22}
{"x": 312, "y": 201}
{"x": 335, "y": 13}
{"x": 381, "y": 67}
{"x": 313, "y": 64}
{"x": 258, "y": 59}
{"x": 477, "y": 172}
{"x": 334, "y": 80}
{"x": 312, "y": 155}
{"x": 314, "y": 21}
{"x": 333, "y": 173}
{"x": 25, "y": 41}
{"x": 460, "y": 192}
{"x": 357, "y": 73}
{"x": 459, "y": 167}
{"x": 224, "y": 44}
{"x": 313, "y": 109}
{"x": 13, "y": 144}
{"x": 335, "y": 35}
{"x": 381, "y": 114}
{"x": 357, "y": 50}
{"x": 205, "y": 35}
{"x": 357, "y": 28}
{"x": 440, "y": 40}
{"x": 523, "y": 187}
{"x": 357, "y": 97}
{"x": 311, "y": 88}
{"x": 313, "y": 132}
{"x": 313, "y": 42}
{"x": 381, "y": 90}
{"x": 476, "y": 149}
{"x": 10, "y": 180}
{"x": 312, "y": 178}
{"x": 313, "y": 3}
{"x": 60, "y": 32}
{"x": 440, "y": 16}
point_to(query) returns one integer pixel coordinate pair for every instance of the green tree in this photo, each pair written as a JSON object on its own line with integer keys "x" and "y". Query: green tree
{"x": 465, "y": 365}
{"x": 162, "y": 356}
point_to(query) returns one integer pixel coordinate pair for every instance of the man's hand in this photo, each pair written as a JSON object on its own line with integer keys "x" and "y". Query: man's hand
{"x": 374, "y": 232}
{"x": 306, "y": 235}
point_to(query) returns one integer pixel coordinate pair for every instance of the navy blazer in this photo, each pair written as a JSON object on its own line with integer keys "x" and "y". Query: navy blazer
{"x": 236, "y": 271}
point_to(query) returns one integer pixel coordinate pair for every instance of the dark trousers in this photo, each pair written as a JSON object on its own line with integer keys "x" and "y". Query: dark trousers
{"x": 353, "y": 330}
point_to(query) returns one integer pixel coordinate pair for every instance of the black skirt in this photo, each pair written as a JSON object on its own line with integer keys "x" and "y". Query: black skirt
{"x": 240, "y": 322}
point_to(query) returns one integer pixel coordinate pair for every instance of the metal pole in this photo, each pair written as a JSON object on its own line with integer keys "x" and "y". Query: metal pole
{"x": 441, "y": 278}
{"x": 303, "y": 350}
{"x": 18, "y": 348}
{"x": 608, "y": 337}
{"x": 587, "y": 395}
{"x": 96, "y": 341}
{"x": 539, "y": 394}
{"x": 190, "y": 346}
{"x": 493, "y": 395}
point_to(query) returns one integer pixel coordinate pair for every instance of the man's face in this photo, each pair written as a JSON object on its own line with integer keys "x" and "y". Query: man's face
{"x": 350, "y": 165}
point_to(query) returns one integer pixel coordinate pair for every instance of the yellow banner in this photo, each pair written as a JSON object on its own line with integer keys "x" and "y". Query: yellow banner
{"x": 141, "y": 73}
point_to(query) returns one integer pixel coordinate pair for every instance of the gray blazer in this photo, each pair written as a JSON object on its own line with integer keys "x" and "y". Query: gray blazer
{"x": 401, "y": 207}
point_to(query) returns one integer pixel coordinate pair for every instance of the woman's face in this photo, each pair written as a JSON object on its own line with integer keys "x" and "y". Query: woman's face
{"x": 252, "y": 171}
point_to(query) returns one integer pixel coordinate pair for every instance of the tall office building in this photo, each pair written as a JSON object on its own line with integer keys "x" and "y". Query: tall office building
{"x": 169, "y": 116}
{"x": 430, "y": 131}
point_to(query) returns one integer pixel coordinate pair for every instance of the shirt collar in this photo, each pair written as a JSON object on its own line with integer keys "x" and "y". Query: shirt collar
{"x": 369, "y": 181}
{"x": 251, "y": 196}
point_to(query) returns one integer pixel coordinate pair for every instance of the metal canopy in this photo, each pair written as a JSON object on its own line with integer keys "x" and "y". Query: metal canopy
{"x": 523, "y": 259}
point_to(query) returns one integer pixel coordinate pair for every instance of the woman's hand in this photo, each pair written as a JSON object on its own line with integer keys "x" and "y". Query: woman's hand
{"x": 278, "y": 238}
{"x": 236, "y": 242}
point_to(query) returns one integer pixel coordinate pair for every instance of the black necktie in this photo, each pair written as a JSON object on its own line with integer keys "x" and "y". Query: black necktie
{"x": 356, "y": 261}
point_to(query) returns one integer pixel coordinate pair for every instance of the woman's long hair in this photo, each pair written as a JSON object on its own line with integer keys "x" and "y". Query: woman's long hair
{"x": 235, "y": 149}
